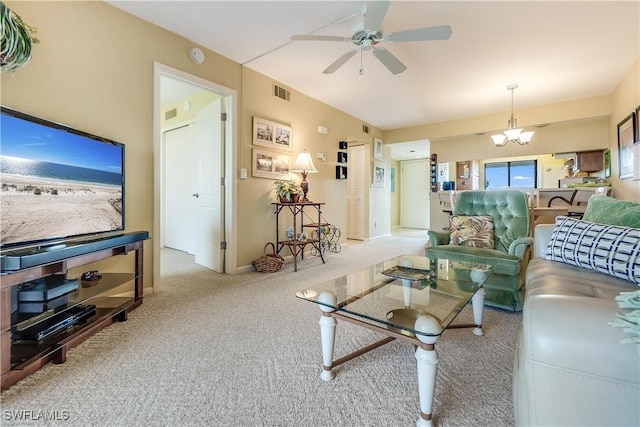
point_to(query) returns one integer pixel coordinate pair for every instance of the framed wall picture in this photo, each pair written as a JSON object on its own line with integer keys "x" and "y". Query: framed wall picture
{"x": 379, "y": 174}
{"x": 377, "y": 148}
{"x": 272, "y": 135}
{"x": 270, "y": 164}
{"x": 637, "y": 124}
{"x": 607, "y": 164}
{"x": 626, "y": 138}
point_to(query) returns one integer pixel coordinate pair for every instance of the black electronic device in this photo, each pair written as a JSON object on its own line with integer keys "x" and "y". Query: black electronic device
{"x": 91, "y": 275}
{"x": 54, "y": 324}
{"x": 41, "y": 164}
{"x": 21, "y": 258}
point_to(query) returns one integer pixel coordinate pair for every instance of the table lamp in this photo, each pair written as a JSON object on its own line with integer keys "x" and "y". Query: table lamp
{"x": 304, "y": 165}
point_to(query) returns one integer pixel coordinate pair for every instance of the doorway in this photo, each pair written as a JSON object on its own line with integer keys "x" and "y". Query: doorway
{"x": 355, "y": 192}
{"x": 414, "y": 199}
{"x": 218, "y": 230}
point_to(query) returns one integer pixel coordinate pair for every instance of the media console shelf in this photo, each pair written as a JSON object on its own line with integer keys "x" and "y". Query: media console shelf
{"x": 21, "y": 357}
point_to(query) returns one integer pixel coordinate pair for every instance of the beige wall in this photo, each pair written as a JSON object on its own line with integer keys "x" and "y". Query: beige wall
{"x": 93, "y": 70}
{"x": 304, "y": 114}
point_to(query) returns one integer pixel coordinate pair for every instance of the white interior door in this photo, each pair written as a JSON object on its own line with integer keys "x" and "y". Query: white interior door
{"x": 414, "y": 199}
{"x": 180, "y": 207}
{"x": 355, "y": 192}
{"x": 210, "y": 212}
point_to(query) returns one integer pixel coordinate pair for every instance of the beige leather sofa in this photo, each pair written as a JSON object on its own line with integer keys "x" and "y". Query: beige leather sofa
{"x": 570, "y": 367}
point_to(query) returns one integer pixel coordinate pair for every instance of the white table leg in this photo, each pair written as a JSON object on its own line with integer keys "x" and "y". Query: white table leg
{"x": 427, "y": 367}
{"x": 327, "y": 333}
{"x": 406, "y": 292}
{"x": 477, "y": 302}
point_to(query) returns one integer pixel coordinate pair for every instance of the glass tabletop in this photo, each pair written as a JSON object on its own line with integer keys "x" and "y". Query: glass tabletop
{"x": 395, "y": 293}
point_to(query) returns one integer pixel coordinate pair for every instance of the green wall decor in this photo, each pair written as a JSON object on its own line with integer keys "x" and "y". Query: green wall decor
{"x": 17, "y": 40}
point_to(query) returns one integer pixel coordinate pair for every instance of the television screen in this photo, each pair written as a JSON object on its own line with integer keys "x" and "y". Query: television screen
{"x": 57, "y": 182}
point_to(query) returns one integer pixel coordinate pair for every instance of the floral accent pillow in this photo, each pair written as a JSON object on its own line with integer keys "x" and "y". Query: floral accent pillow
{"x": 474, "y": 231}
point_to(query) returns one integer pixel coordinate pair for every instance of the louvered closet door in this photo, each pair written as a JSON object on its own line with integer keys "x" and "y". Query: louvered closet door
{"x": 355, "y": 192}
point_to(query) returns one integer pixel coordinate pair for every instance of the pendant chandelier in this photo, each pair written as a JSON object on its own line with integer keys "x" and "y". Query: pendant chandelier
{"x": 513, "y": 133}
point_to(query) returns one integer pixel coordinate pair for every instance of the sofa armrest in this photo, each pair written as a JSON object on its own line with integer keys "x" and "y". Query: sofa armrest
{"x": 542, "y": 236}
{"x": 437, "y": 238}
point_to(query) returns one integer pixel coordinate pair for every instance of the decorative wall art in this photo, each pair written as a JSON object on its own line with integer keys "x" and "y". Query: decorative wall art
{"x": 379, "y": 174}
{"x": 272, "y": 135}
{"x": 270, "y": 164}
{"x": 626, "y": 138}
{"x": 637, "y": 124}
{"x": 607, "y": 164}
{"x": 377, "y": 148}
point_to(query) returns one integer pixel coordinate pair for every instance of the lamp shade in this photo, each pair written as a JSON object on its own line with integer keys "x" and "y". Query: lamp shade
{"x": 304, "y": 163}
{"x": 500, "y": 139}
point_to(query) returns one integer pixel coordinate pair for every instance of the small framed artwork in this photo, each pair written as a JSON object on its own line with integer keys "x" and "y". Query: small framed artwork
{"x": 272, "y": 135}
{"x": 607, "y": 164}
{"x": 270, "y": 164}
{"x": 379, "y": 174}
{"x": 342, "y": 157}
{"x": 342, "y": 145}
{"x": 626, "y": 138}
{"x": 392, "y": 179}
{"x": 377, "y": 148}
{"x": 637, "y": 124}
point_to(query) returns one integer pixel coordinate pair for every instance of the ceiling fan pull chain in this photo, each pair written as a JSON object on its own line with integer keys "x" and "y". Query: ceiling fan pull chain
{"x": 361, "y": 71}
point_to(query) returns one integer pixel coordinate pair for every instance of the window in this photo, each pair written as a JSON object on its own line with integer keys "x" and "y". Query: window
{"x": 522, "y": 173}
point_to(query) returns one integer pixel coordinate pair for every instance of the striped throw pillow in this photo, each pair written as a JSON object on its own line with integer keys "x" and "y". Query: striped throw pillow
{"x": 608, "y": 249}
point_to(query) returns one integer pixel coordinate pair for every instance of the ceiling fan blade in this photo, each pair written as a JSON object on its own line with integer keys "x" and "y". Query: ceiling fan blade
{"x": 339, "y": 62}
{"x": 321, "y": 38}
{"x": 388, "y": 60}
{"x": 419, "y": 34}
{"x": 374, "y": 14}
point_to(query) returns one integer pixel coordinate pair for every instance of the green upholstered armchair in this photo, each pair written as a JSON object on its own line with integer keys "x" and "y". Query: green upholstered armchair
{"x": 510, "y": 255}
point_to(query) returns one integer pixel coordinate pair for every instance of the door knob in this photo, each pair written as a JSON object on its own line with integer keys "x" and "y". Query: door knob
{"x": 196, "y": 195}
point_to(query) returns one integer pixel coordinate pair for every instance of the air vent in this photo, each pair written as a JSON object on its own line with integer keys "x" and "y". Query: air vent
{"x": 281, "y": 93}
{"x": 365, "y": 128}
{"x": 170, "y": 114}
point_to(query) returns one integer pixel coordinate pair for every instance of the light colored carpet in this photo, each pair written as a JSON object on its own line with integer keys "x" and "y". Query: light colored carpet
{"x": 242, "y": 350}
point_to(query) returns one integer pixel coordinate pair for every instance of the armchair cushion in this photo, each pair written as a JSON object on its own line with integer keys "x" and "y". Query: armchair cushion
{"x": 475, "y": 231}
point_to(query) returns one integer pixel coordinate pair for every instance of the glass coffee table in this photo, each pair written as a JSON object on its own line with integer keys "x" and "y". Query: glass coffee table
{"x": 410, "y": 298}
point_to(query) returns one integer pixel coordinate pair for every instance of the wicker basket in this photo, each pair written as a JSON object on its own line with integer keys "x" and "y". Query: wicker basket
{"x": 268, "y": 263}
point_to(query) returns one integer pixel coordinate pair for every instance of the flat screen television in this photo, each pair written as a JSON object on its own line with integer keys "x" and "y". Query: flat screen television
{"x": 56, "y": 182}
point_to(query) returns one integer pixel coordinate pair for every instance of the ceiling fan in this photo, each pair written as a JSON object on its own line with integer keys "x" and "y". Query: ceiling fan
{"x": 368, "y": 34}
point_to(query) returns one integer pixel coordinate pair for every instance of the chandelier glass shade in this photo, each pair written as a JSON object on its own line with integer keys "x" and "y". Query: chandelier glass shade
{"x": 513, "y": 133}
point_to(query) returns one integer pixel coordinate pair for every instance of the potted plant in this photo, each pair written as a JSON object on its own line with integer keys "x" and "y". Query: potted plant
{"x": 287, "y": 191}
{"x": 17, "y": 40}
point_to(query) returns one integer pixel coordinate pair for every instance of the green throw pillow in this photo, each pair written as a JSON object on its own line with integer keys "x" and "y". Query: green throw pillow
{"x": 607, "y": 210}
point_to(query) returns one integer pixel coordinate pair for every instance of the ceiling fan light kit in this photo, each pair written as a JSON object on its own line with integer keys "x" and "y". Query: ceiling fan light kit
{"x": 368, "y": 34}
{"x": 513, "y": 133}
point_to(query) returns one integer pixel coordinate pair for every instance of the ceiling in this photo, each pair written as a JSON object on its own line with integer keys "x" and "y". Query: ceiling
{"x": 554, "y": 50}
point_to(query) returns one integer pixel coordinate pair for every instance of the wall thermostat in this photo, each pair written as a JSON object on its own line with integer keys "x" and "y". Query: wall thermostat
{"x": 196, "y": 55}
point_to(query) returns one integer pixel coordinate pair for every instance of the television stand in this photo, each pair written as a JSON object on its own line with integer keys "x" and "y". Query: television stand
{"x": 87, "y": 309}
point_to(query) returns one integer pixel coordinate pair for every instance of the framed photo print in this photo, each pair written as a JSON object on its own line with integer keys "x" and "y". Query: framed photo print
{"x": 379, "y": 174}
{"x": 270, "y": 164}
{"x": 637, "y": 124}
{"x": 377, "y": 148}
{"x": 626, "y": 139}
{"x": 271, "y": 135}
